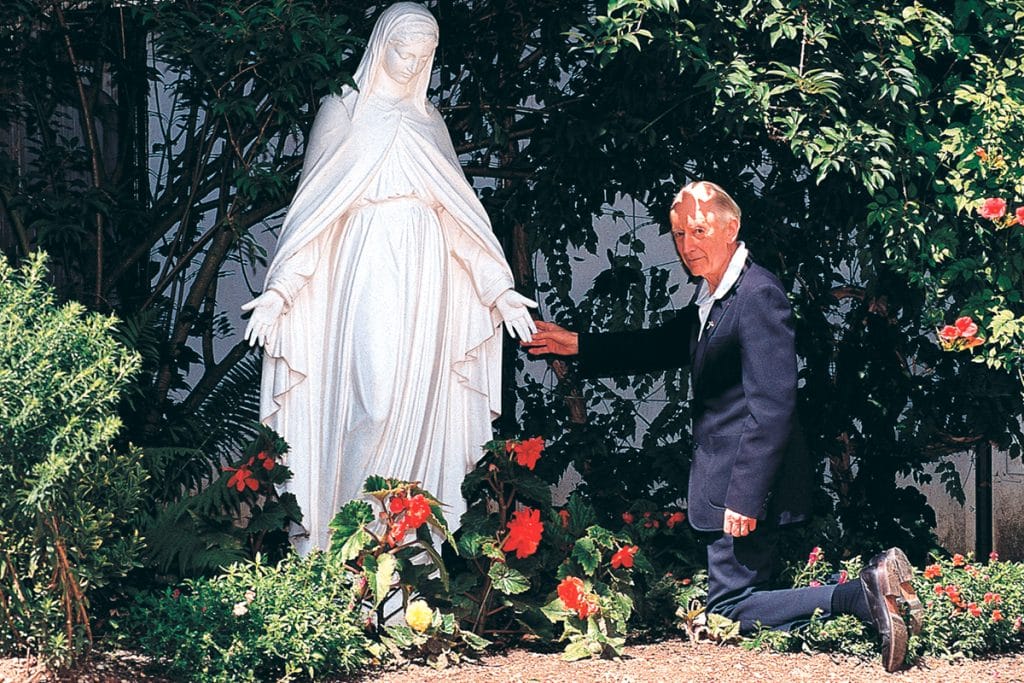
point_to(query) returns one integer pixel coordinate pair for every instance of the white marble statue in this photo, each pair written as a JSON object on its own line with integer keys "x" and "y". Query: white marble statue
{"x": 382, "y": 307}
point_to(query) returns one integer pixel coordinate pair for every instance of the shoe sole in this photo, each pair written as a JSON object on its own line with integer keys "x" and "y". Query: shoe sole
{"x": 894, "y": 649}
{"x": 900, "y": 590}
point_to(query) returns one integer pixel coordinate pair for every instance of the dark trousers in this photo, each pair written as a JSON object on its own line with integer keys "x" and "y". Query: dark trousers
{"x": 740, "y": 571}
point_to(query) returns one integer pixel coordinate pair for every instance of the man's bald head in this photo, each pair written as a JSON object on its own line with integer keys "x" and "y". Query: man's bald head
{"x": 708, "y": 196}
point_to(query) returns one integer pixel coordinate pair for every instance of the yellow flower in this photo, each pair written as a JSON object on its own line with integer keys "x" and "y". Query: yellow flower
{"x": 419, "y": 615}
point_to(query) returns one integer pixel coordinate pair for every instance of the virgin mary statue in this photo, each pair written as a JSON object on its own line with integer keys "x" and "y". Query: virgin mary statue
{"x": 381, "y": 311}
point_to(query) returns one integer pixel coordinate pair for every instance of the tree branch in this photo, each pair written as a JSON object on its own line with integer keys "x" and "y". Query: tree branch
{"x": 94, "y": 150}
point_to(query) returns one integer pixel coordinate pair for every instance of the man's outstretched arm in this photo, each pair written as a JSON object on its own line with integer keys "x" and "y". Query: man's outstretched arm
{"x": 620, "y": 353}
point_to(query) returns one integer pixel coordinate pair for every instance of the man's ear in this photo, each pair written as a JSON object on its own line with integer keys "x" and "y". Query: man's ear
{"x": 733, "y": 228}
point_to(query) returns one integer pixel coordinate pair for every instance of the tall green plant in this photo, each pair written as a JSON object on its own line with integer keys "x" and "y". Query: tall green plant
{"x": 65, "y": 494}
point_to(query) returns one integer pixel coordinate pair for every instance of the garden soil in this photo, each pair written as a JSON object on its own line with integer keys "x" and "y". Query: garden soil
{"x": 671, "y": 660}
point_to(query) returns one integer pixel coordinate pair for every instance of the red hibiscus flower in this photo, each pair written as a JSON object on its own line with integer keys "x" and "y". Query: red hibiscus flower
{"x": 675, "y": 518}
{"x": 1019, "y": 215}
{"x": 527, "y": 452}
{"x": 814, "y": 555}
{"x": 981, "y": 153}
{"x": 524, "y": 532}
{"x": 966, "y": 327}
{"x": 958, "y": 560}
{"x": 992, "y": 208}
{"x": 997, "y": 615}
{"x": 628, "y": 518}
{"x": 949, "y": 333}
{"x": 974, "y": 609}
{"x": 993, "y": 556}
{"x": 573, "y": 595}
{"x": 242, "y": 479}
{"x": 992, "y": 598}
{"x": 624, "y": 557}
{"x": 932, "y": 571}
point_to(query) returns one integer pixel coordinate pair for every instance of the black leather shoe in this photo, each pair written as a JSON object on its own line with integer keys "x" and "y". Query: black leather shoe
{"x": 887, "y": 585}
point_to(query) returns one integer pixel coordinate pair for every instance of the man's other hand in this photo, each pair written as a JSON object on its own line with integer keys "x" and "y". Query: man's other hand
{"x": 550, "y": 338}
{"x": 738, "y": 525}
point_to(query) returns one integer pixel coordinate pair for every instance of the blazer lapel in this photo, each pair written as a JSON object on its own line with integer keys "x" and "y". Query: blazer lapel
{"x": 718, "y": 311}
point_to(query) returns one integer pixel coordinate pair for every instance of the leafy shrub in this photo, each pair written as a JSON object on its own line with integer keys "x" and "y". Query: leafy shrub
{"x": 65, "y": 495}
{"x": 971, "y": 610}
{"x": 231, "y": 519}
{"x": 256, "y": 622}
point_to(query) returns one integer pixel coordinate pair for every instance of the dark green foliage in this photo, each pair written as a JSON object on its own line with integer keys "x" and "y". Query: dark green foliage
{"x": 846, "y": 132}
{"x": 229, "y": 520}
{"x": 66, "y": 496}
{"x": 255, "y": 622}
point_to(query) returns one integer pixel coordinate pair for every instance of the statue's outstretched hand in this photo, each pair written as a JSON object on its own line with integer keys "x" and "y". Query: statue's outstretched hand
{"x": 266, "y": 310}
{"x": 514, "y": 309}
{"x": 552, "y": 339}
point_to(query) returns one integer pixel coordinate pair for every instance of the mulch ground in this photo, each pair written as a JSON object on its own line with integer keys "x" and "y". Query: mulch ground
{"x": 670, "y": 660}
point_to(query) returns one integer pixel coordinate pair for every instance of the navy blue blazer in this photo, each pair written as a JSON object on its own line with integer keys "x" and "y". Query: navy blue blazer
{"x": 749, "y": 454}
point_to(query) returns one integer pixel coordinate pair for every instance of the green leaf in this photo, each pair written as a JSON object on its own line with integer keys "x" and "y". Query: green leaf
{"x": 491, "y": 550}
{"x": 385, "y": 576}
{"x": 474, "y": 641}
{"x": 581, "y": 514}
{"x": 586, "y": 554}
{"x": 354, "y": 515}
{"x": 470, "y": 544}
{"x": 507, "y": 580}
{"x": 576, "y": 651}
{"x": 348, "y": 530}
{"x": 376, "y": 485}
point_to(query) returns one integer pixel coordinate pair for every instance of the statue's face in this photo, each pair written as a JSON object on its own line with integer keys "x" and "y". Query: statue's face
{"x": 404, "y": 61}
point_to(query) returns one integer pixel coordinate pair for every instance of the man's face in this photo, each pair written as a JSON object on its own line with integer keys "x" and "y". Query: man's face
{"x": 705, "y": 239}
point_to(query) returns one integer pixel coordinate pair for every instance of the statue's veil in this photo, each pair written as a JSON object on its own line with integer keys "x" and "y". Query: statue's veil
{"x": 398, "y": 19}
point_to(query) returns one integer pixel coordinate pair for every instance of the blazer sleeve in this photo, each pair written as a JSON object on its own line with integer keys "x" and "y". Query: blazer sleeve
{"x": 663, "y": 347}
{"x": 769, "y": 376}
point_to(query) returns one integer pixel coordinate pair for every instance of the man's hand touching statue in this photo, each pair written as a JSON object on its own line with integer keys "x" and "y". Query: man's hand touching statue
{"x": 514, "y": 309}
{"x": 552, "y": 339}
{"x": 266, "y": 311}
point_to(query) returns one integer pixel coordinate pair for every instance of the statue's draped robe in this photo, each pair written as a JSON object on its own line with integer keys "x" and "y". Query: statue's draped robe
{"x": 388, "y": 358}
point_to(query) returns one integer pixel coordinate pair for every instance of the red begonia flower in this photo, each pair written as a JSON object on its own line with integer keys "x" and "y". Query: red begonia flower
{"x": 574, "y": 596}
{"x": 527, "y": 452}
{"x": 524, "y": 532}
{"x": 624, "y": 557}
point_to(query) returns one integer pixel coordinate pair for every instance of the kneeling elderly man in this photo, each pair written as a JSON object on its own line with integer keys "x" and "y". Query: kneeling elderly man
{"x": 750, "y": 473}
